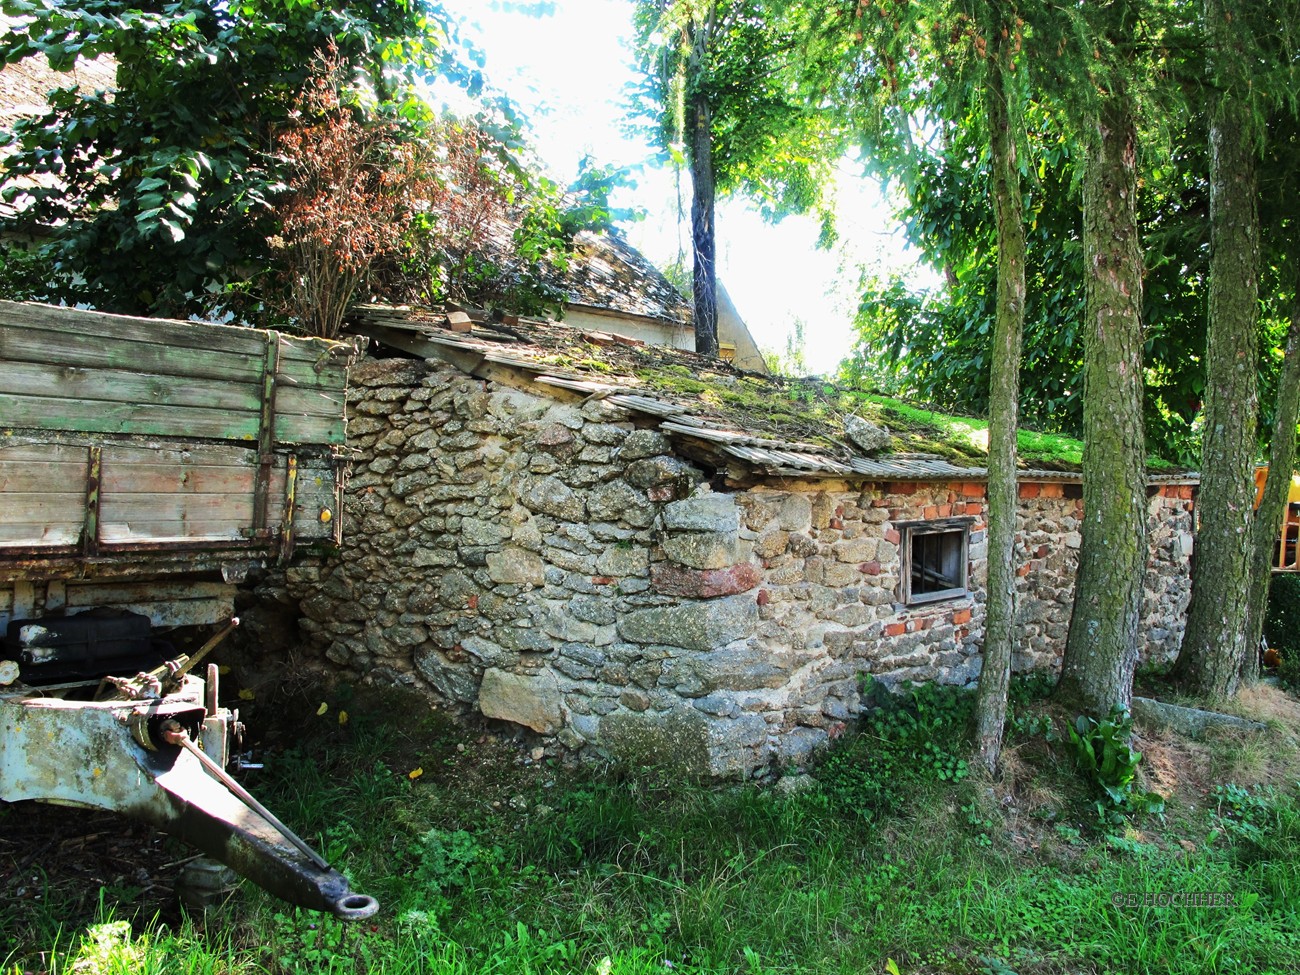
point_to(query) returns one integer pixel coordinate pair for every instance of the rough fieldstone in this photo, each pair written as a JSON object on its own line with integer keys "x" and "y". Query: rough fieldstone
{"x": 1189, "y": 722}
{"x": 707, "y": 550}
{"x": 551, "y": 496}
{"x": 674, "y": 741}
{"x": 619, "y": 500}
{"x": 623, "y": 560}
{"x": 796, "y": 748}
{"x": 475, "y": 531}
{"x": 516, "y": 566}
{"x": 673, "y": 580}
{"x": 796, "y": 513}
{"x": 866, "y": 435}
{"x": 642, "y": 443}
{"x": 741, "y": 668}
{"x": 533, "y": 701}
{"x": 692, "y": 626}
{"x": 711, "y": 513}
{"x": 653, "y": 471}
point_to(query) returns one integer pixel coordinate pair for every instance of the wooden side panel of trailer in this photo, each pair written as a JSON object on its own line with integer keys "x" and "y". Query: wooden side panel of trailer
{"x": 125, "y": 436}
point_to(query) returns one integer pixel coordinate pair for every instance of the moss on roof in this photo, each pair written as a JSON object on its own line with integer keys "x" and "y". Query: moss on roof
{"x": 789, "y": 411}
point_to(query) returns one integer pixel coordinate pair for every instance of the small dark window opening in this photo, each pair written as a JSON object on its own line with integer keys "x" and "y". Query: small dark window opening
{"x": 936, "y": 555}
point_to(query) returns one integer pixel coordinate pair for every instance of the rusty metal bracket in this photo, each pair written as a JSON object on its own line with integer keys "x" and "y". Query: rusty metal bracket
{"x": 290, "y": 501}
{"x": 90, "y": 527}
{"x": 266, "y": 431}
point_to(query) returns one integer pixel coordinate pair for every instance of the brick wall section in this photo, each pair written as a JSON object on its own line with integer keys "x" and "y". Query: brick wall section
{"x": 556, "y": 566}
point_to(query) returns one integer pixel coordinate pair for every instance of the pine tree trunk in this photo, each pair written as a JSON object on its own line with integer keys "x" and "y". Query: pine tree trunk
{"x": 1101, "y": 648}
{"x": 1214, "y": 643}
{"x": 1008, "y": 327}
{"x": 703, "y": 234}
{"x": 1272, "y": 509}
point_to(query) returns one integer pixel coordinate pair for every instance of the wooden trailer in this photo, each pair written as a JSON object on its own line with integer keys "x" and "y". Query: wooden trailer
{"x": 148, "y": 464}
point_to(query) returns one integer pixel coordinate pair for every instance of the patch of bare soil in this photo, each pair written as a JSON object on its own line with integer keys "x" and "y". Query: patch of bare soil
{"x": 56, "y": 855}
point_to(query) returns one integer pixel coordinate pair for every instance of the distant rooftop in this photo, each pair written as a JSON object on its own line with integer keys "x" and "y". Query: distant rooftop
{"x": 608, "y": 272}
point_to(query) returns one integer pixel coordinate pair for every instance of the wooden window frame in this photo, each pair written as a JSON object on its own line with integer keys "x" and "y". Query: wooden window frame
{"x": 913, "y": 529}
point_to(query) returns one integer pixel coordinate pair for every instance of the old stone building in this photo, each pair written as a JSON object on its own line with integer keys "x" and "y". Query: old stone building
{"x": 629, "y": 551}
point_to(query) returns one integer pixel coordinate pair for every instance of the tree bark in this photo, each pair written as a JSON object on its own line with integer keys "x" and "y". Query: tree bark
{"x": 1214, "y": 643}
{"x": 1008, "y": 328}
{"x": 703, "y": 234}
{"x": 1272, "y": 509}
{"x": 1101, "y": 648}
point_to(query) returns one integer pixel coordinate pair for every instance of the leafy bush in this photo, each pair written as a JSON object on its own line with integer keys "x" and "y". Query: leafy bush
{"x": 1282, "y": 625}
{"x": 921, "y": 735}
{"x": 1104, "y": 754}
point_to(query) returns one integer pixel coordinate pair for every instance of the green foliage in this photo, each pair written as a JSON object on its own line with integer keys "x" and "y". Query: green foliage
{"x": 767, "y": 143}
{"x": 155, "y": 194}
{"x": 1104, "y": 754}
{"x": 919, "y": 737}
{"x": 22, "y": 274}
{"x": 1282, "y": 625}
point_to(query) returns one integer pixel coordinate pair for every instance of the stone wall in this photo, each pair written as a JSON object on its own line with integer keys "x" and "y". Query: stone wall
{"x": 555, "y": 565}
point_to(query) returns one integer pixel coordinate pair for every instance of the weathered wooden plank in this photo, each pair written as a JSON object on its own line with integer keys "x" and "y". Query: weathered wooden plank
{"x": 199, "y": 469}
{"x": 38, "y": 536}
{"x": 166, "y": 604}
{"x": 310, "y": 402}
{"x": 37, "y": 477}
{"x": 35, "y": 346}
{"x": 173, "y": 532}
{"x": 48, "y": 413}
{"x": 82, "y": 323}
{"x": 44, "y": 518}
{"x": 39, "y": 452}
{"x": 42, "y": 469}
{"x": 291, "y": 429}
{"x": 6, "y": 606}
{"x": 190, "y": 479}
{"x": 176, "y": 507}
{"x": 32, "y": 345}
{"x": 122, "y": 386}
{"x": 82, "y": 595}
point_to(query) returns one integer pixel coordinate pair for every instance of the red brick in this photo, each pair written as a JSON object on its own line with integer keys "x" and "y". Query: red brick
{"x": 870, "y": 568}
{"x": 895, "y": 629}
{"x": 972, "y": 489}
{"x": 892, "y": 536}
{"x": 836, "y": 524}
{"x": 1023, "y": 570}
{"x": 974, "y": 508}
{"x": 961, "y": 616}
{"x": 1052, "y": 491}
{"x": 1042, "y": 551}
{"x": 930, "y": 511}
{"x": 674, "y": 580}
{"x": 1029, "y": 490}
{"x": 902, "y": 487}
{"x": 945, "y": 510}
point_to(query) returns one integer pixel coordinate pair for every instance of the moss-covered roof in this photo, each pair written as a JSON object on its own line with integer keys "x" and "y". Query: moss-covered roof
{"x": 800, "y": 414}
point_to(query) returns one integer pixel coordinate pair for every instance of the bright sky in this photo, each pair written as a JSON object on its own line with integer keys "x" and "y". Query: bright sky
{"x": 568, "y": 70}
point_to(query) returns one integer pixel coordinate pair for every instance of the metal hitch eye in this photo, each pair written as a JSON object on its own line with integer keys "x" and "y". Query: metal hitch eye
{"x": 355, "y": 907}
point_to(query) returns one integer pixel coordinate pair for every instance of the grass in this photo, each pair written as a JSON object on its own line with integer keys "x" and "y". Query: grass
{"x": 489, "y": 862}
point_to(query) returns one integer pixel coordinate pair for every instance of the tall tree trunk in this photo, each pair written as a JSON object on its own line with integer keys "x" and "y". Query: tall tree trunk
{"x": 1272, "y": 509}
{"x": 1101, "y": 648}
{"x": 1008, "y": 328}
{"x": 703, "y": 233}
{"x": 1214, "y": 643}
